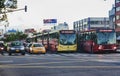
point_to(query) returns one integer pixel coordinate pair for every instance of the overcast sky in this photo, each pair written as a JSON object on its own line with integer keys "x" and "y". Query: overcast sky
{"x": 62, "y": 10}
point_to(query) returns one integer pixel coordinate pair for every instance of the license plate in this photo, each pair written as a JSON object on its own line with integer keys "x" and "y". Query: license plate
{"x": 17, "y": 50}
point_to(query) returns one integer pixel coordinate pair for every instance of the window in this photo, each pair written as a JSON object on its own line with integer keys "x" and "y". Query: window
{"x": 95, "y": 22}
{"x": 37, "y": 45}
{"x": 118, "y": 9}
{"x": 118, "y": 17}
{"x": 117, "y": 1}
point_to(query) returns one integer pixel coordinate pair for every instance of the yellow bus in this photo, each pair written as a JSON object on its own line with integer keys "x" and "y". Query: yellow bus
{"x": 67, "y": 41}
{"x": 59, "y": 41}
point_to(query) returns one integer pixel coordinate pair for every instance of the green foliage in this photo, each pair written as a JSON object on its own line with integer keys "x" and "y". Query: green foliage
{"x": 11, "y": 4}
{"x": 15, "y": 36}
{"x": 2, "y": 3}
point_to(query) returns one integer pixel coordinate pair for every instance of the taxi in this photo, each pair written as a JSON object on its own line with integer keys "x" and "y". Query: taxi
{"x": 35, "y": 48}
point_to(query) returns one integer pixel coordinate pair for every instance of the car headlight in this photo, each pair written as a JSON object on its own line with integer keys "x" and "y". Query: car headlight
{"x": 30, "y": 48}
{"x": 22, "y": 48}
{"x": 2, "y": 48}
{"x": 12, "y": 48}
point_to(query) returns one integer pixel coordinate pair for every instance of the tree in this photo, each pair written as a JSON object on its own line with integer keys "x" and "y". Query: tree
{"x": 4, "y": 6}
{"x": 15, "y": 36}
{"x": 10, "y": 4}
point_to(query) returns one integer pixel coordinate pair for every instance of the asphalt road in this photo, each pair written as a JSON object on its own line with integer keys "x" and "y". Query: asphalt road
{"x": 72, "y": 64}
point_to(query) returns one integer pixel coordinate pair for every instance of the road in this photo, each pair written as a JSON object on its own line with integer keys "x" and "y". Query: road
{"x": 63, "y": 64}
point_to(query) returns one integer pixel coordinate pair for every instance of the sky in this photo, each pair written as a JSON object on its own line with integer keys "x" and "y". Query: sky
{"x": 62, "y": 10}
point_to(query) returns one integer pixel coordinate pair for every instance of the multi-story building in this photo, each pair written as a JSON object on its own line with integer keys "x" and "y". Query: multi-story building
{"x": 117, "y": 13}
{"x": 112, "y": 17}
{"x": 91, "y": 23}
{"x": 61, "y": 26}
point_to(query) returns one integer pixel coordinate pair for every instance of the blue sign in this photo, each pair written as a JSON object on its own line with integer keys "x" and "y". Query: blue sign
{"x": 12, "y": 31}
{"x": 45, "y": 21}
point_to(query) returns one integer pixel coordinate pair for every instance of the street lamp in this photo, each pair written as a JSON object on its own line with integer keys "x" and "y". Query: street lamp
{"x": 6, "y": 25}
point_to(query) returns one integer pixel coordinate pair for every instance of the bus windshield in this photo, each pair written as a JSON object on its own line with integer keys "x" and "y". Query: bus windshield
{"x": 67, "y": 39}
{"x": 106, "y": 38}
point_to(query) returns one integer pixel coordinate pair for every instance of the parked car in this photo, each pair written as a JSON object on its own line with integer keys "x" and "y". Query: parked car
{"x": 35, "y": 48}
{"x": 16, "y": 47}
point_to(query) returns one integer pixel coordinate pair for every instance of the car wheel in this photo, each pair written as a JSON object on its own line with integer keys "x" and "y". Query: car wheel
{"x": 43, "y": 53}
{"x": 23, "y": 53}
{"x": 10, "y": 53}
{"x": 2, "y": 53}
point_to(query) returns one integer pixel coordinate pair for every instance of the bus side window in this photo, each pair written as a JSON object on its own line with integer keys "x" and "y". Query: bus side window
{"x": 80, "y": 37}
{"x": 94, "y": 37}
{"x": 88, "y": 36}
{"x": 84, "y": 37}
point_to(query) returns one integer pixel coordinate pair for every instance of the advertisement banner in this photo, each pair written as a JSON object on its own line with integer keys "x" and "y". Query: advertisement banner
{"x": 49, "y": 21}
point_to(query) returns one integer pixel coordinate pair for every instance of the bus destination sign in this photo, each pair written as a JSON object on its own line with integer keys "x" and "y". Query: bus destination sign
{"x": 67, "y": 31}
{"x": 105, "y": 30}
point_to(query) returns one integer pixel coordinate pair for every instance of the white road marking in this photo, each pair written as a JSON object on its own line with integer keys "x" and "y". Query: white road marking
{"x": 7, "y": 61}
{"x": 28, "y": 64}
{"x": 64, "y": 67}
{"x": 106, "y": 60}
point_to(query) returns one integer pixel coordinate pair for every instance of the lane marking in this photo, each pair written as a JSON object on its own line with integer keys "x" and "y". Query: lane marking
{"x": 7, "y": 61}
{"x": 27, "y": 64}
{"x": 64, "y": 67}
{"x": 105, "y": 60}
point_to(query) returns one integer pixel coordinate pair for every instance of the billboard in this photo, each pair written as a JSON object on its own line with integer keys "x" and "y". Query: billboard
{"x": 49, "y": 21}
{"x": 31, "y": 30}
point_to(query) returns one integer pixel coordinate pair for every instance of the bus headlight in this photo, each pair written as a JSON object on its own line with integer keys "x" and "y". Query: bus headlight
{"x": 114, "y": 47}
{"x": 100, "y": 47}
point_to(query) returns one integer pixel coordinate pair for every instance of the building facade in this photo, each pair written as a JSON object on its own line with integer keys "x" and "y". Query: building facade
{"x": 91, "y": 23}
{"x": 117, "y": 13}
{"x": 61, "y": 26}
{"x": 112, "y": 17}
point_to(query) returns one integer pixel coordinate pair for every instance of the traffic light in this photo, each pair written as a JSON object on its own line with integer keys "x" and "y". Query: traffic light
{"x": 25, "y": 8}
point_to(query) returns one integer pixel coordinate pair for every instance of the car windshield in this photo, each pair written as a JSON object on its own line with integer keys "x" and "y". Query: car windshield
{"x": 1, "y": 45}
{"x": 38, "y": 45}
{"x": 106, "y": 38}
{"x": 67, "y": 39}
{"x": 16, "y": 44}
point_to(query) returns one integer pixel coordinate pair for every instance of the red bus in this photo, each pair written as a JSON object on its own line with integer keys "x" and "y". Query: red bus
{"x": 95, "y": 41}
